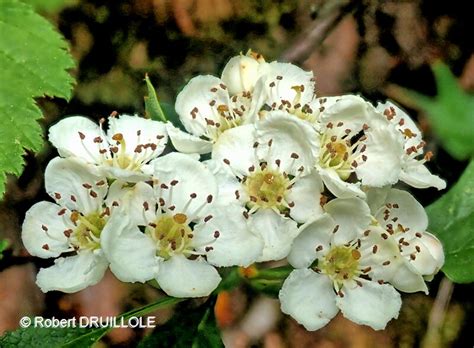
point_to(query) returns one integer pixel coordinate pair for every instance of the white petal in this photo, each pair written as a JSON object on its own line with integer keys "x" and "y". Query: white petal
{"x": 351, "y": 214}
{"x": 278, "y": 83}
{"x": 337, "y": 186}
{"x": 371, "y": 304}
{"x": 66, "y": 137}
{"x": 309, "y": 298}
{"x": 180, "y": 277}
{"x": 43, "y": 229}
{"x": 276, "y": 231}
{"x": 193, "y": 103}
{"x": 408, "y": 280}
{"x": 384, "y": 145}
{"x": 380, "y": 252}
{"x": 240, "y": 74}
{"x": 227, "y": 183}
{"x": 139, "y": 131}
{"x": 410, "y": 213}
{"x": 73, "y": 273}
{"x": 236, "y": 146}
{"x": 434, "y": 246}
{"x": 74, "y": 184}
{"x": 236, "y": 245}
{"x": 295, "y": 143}
{"x": 184, "y": 178}
{"x": 132, "y": 254}
{"x": 377, "y": 197}
{"x": 397, "y": 115}
{"x": 353, "y": 112}
{"x": 430, "y": 257}
{"x": 306, "y": 194}
{"x": 187, "y": 143}
{"x": 137, "y": 200}
{"x": 126, "y": 175}
{"x": 316, "y": 234}
{"x": 415, "y": 174}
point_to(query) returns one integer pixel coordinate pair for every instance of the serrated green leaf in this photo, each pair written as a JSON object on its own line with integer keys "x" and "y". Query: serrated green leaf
{"x": 73, "y": 337}
{"x": 452, "y": 221}
{"x": 39, "y": 337}
{"x": 451, "y": 113}
{"x": 194, "y": 328}
{"x": 49, "y": 5}
{"x": 152, "y": 105}
{"x": 34, "y": 60}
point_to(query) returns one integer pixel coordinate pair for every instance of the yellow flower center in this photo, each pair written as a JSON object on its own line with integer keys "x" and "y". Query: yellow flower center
{"x": 267, "y": 188}
{"x": 87, "y": 233}
{"x": 336, "y": 155}
{"x": 172, "y": 234}
{"x": 341, "y": 263}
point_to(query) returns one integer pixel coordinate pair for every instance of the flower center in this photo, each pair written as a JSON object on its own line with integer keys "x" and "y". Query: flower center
{"x": 172, "y": 234}
{"x": 87, "y": 233}
{"x": 341, "y": 263}
{"x": 336, "y": 153}
{"x": 267, "y": 188}
{"x": 120, "y": 158}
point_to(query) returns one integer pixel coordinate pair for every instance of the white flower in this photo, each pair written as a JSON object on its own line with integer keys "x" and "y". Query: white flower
{"x": 268, "y": 171}
{"x": 185, "y": 234}
{"x": 73, "y": 224}
{"x": 413, "y": 172}
{"x": 349, "y": 273}
{"x": 208, "y": 106}
{"x": 130, "y": 144}
{"x": 403, "y": 223}
{"x": 284, "y": 86}
{"x": 357, "y": 147}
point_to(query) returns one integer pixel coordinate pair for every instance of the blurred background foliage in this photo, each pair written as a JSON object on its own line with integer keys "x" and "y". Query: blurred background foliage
{"x": 379, "y": 49}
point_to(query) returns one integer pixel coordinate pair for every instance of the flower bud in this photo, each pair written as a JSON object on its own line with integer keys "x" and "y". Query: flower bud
{"x": 241, "y": 72}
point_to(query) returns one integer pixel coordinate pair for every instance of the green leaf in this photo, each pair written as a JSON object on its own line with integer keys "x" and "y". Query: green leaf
{"x": 451, "y": 113}
{"x": 452, "y": 221}
{"x": 73, "y": 337}
{"x": 49, "y": 5}
{"x": 40, "y": 337}
{"x": 194, "y": 328}
{"x": 270, "y": 287}
{"x": 172, "y": 115}
{"x": 3, "y": 246}
{"x": 152, "y": 105}
{"x": 33, "y": 59}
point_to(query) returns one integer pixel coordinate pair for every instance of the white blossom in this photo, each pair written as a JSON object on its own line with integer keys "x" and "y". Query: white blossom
{"x": 357, "y": 147}
{"x": 122, "y": 152}
{"x": 73, "y": 224}
{"x": 186, "y": 234}
{"x": 413, "y": 171}
{"x": 208, "y": 106}
{"x": 349, "y": 273}
{"x": 403, "y": 222}
{"x": 268, "y": 172}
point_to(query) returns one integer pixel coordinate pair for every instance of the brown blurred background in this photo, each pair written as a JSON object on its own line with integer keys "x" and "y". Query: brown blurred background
{"x": 367, "y": 47}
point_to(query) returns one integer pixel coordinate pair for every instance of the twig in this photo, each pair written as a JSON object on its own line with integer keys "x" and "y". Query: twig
{"x": 329, "y": 16}
{"x": 438, "y": 312}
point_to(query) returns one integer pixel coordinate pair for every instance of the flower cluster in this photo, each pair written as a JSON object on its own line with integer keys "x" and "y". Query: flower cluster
{"x": 287, "y": 175}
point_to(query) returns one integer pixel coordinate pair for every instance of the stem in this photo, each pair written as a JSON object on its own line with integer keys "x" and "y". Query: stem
{"x": 329, "y": 16}
{"x": 438, "y": 312}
